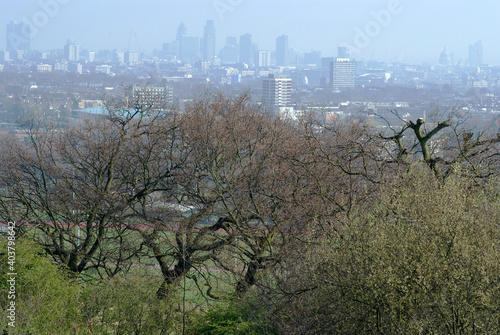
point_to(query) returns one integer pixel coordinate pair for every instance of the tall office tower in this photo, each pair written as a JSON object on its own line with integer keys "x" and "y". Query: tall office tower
{"x": 326, "y": 62}
{"x": 312, "y": 58}
{"x": 181, "y": 31}
{"x": 208, "y": 44}
{"x": 170, "y": 50}
{"x": 476, "y": 54}
{"x": 276, "y": 91}
{"x": 342, "y": 73}
{"x": 190, "y": 49}
{"x": 293, "y": 58}
{"x": 18, "y": 36}
{"x": 175, "y": 47}
{"x": 71, "y": 51}
{"x": 246, "y": 49}
{"x": 229, "y": 54}
{"x": 342, "y": 52}
{"x": 263, "y": 58}
{"x": 282, "y": 50}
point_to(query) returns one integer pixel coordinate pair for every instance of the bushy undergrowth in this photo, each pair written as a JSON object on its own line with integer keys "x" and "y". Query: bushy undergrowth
{"x": 422, "y": 260}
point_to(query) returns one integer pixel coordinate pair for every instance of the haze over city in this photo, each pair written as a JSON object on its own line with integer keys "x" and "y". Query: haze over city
{"x": 249, "y": 167}
{"x": 413, "y": 32}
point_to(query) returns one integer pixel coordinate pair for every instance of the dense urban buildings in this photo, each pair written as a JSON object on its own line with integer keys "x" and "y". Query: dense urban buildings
{"x": 266, "y": 168}
{"x": 192, "y": 63}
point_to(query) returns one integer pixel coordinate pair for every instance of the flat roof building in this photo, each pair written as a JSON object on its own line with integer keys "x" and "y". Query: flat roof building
{"x": 282, "y": 50}
{"x": 342, "y": 72}
{"x": 154, "y": 97}
{"x": 276, "y": 91}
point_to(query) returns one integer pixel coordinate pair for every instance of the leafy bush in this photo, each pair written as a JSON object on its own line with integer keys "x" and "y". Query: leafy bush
{"x": 127, "y": 304}
{"x": 232, "y": 318}
{"x": 47, "y": 298}
{"x": 423, "y": 259}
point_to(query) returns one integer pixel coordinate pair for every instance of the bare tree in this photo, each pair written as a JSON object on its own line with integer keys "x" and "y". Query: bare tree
{"x": 73, "y": 186}
{"x": 446, "y": 146}
{"x": 225, "y": 198}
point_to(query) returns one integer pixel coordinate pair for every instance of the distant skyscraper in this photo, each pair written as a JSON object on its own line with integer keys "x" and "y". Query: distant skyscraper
{"x": 190, "y": 48}
{"x": 170, "y": 50}
{"x": 181, "y": 31}
{"x": 229, "y": 54}
{"x": 342, "y": 52}
{"x": 342, "y": 73}
{"x": 174, "y": 48}
{"x": 276, "y": 91}
{"x": 293, "y": 57}
{"x": 263, "y": 58}
{"x": 282, "y": 50}
{"x": 71, "y": 51}
{"x": 476, "y": 54}
{"x": 326, "y": 62}
{"x": 208, "y": 44}
{"x": 246, "y": 49}
{"x": 312, "y": 58}
{"x": 18, "y": 36}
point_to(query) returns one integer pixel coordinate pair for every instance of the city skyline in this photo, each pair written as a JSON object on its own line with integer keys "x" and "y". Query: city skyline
{"x": 394, "y": 30}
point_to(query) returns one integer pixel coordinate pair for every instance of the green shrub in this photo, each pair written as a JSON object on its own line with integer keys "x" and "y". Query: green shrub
{"x": 422, "y": 259}
{"x": 127, "y": 304}
{"x": 46, "y": 297}
{"x": 232, "y": 318}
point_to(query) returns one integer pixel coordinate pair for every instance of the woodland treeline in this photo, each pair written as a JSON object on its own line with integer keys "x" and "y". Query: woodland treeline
{"x": 223, "y": 219}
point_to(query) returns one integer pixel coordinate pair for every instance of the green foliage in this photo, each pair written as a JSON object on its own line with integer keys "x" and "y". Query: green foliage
{"x": 423, "y": 260}
{"x": 232, "y": 318}
{"x": 49, "y": 301}
{"x": 46, "y": 297}
{"x": 420, "y": 256}
{"x": 127, "y": 304}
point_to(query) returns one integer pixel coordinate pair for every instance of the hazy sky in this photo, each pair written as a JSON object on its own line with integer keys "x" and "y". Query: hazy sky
{"x": 406, "y": 30}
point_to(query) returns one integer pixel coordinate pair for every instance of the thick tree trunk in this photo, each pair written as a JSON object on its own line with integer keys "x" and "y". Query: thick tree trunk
{"x": 248, "y": 280}
{"x": 172, "y": 278}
